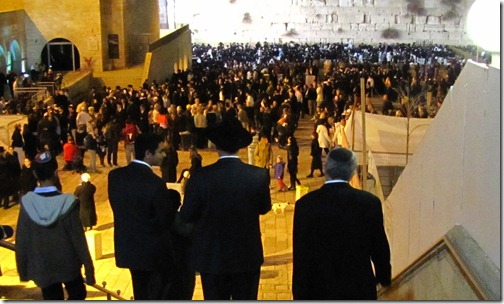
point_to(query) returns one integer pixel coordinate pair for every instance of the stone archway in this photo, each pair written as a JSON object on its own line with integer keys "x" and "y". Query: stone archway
{"x": 60, "y": 55}
{"x": 14, "y": 57}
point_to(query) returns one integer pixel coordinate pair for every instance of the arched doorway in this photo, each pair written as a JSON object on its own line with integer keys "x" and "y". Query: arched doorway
{"x": 61, "y": 55}
{"x": 14, "y": 57}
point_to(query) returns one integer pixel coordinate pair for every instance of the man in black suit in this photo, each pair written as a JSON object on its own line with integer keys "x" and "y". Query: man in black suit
{"x": 338, "y": 232}
{"x": 224, "y": 200}
{"x": 143, "y": 214}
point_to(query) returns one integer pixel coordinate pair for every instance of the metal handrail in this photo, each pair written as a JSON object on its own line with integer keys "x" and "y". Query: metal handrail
{"x": 110, "y": 294}
{"x": 36, "y": 93}
{"x": 50, "y": 85}
{"x": 7, "y": 245}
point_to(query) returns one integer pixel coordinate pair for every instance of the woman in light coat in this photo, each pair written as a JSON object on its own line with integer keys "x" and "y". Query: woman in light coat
{"x": 323, "y": 134}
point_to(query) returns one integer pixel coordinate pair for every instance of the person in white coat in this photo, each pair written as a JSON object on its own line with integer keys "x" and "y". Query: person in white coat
{"x": 323, "y": 134}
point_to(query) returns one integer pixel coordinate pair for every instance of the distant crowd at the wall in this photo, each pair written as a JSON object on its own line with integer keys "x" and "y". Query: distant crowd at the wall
{"x": 268, "y": 87}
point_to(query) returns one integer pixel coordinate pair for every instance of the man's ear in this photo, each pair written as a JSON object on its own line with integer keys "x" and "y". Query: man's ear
{"x": 148, "y": 155}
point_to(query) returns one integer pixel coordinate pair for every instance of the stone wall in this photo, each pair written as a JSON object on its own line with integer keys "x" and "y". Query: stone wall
{"x": 314, "y": 21}
{"x": 112, "y": 22}
{"x": 47, "y": 20}
{"x": 87, "y": 24}
{"x": 141, "y": 23}
{"x": 454, "y": 176}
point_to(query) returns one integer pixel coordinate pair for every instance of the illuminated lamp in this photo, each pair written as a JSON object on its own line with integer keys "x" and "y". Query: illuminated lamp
{"x": 483, "y": 26}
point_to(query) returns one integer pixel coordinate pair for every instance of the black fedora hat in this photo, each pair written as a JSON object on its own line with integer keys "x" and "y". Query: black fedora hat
{"x": 229, "y": 135}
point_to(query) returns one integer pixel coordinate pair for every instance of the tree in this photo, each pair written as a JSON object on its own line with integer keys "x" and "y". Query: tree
{"x": 404, "y": 90}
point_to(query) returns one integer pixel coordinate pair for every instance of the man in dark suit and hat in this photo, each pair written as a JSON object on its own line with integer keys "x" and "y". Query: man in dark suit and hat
{"x": 338, "y": 237}
{"x": 224, "y": 201}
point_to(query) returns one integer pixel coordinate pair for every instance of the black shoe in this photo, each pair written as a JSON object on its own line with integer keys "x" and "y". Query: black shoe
{"x": 309, "y": 175}
{"x": 291, "y": 188}
{"x": 321, "y": 174}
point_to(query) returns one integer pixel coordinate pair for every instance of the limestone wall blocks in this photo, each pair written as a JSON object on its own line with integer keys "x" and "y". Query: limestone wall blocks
{"x": 386, "y": 18}
{"x": 388, "y": 3}
{"x": 434, "y": 28}
{"x": 404, "y": 19}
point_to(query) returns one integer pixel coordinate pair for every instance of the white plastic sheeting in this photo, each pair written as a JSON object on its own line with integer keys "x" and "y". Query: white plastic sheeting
{"x": 386, "y": 136}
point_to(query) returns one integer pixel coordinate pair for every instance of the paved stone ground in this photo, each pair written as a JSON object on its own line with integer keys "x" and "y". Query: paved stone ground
{"x": 276, "y": 227}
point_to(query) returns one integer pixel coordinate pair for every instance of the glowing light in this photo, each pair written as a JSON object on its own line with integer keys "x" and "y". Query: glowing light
{"x": 483, "y": 24}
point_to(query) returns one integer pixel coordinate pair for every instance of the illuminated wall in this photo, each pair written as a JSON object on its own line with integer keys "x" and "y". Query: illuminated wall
{"x": 314, "y": 21}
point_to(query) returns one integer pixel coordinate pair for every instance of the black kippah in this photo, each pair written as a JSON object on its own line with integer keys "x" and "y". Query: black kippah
{"x": 340, "y": 155}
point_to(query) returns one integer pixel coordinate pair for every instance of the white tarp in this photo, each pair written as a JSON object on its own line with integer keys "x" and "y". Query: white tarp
{"x": 386, "y": 136}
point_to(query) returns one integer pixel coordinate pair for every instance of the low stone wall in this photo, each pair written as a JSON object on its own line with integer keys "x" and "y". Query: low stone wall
{"x": 167, "y": 55}
{"x": 78, "y": 83}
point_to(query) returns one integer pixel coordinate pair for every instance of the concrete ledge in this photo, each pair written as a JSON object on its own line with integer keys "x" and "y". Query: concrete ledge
{"x": 474, "y": 258}
{"x": 94, "y": 240}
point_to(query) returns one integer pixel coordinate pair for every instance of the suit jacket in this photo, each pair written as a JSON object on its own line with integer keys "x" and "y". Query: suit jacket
{"x": 143, "y": 214}
{"x": 338, "y": 232}
{"x": 224, "y": 200}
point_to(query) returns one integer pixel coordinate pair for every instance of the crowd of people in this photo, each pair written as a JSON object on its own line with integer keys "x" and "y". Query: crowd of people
{"x": 266, "y": 89}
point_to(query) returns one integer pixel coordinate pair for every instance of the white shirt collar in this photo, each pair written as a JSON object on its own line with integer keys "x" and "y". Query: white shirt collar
{"x": 229, "y": 156}
{"x": 334, "y": 181}
{"x": 141, "y": 162}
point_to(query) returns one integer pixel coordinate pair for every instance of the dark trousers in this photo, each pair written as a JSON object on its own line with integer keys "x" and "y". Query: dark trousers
{"x": 149, "y": 285}
{"x": 235, "y": 286}
{"x": 76, "y": 290}
{"x": 112, "y": 153}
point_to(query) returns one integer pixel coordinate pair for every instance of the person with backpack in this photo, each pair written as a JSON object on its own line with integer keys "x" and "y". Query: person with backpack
{"x": 51, "y": 247}
{"x": 129, "y": 133}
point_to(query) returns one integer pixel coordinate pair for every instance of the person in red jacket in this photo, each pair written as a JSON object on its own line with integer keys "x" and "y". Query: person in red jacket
{"x": 70, "y": 153}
